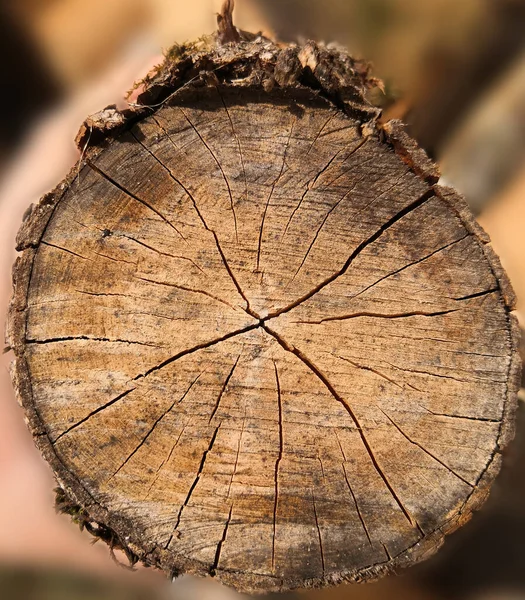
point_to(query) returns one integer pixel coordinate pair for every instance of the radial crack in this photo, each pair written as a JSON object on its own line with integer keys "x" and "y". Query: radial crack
{"x": 389, "y": 557}
{"x": 477, "y": 294}
{"x": 278, "y": 461}
{"x": 234, "y": 472}
{"x": 156, "y": 315}
{"x": 325, "y": 125}
{"x": 350, "y": 169}
{"x": 407, "y": 266}
{"x": 93, "y": 413}
{"x": 361, "y": 210}
{"x": 422, "y": 372}
{"x": 357, "y": 147}
{"x": 238, "y": 143}
{"x": 102, "y": 294}
{"x": 365, "y": 368}
{"x": 295, "y": 210}
{"x": 397, "y": 217}
{"x": 154, "y": 426}
{"x": 131, "y": 195}
{"x": 365, "y": 528}
{"x": 319, "y": 230}
{"x": 196, "y": 349}
{"x": 215, "y": 565}
{"x": 424, "y": 449}
{"x": 220, "y": 168}
{"x": 205, "y": 225}
{"x": 64, "y": 250}
{"x": 416, "y": 313}
{"x": 318, "y": 533}
{"x": 157, "y": 251}
{"x": 223, "y": 388}
{"x": 75, "y": 338}
{"x": 358, "y": 510}
{"x": 320, "y": 464}
{"x": 185, "y": 289}
{"x": 117, "y": 260}
{"x": 163, "y": 129}
{"x": 194, "y": 484}
{"x": 272, "y": 189}
{"x": 449, "y": 416}
{"x": 311, "y": 185}
{"x": 316, "y": 371}
{"x": 166, "y": 460}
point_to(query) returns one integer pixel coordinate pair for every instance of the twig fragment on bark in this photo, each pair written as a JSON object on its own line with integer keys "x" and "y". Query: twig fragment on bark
{"x": 227, "y": 32}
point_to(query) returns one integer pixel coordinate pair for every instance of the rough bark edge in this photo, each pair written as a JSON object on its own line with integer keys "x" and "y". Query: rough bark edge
{"x": 119, "y": 532}
{"x": 37, "y": 215}
{"x": 254, "y": 61}
{"x": 410, "y": 153}
{"x": 420, "y": 164}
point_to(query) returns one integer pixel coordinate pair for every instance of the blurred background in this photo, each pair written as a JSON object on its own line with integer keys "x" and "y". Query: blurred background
{"x": 454, "y": 71}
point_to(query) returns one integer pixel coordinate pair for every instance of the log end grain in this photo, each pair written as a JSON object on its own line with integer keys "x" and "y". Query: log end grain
{"x": 254, "y": 338}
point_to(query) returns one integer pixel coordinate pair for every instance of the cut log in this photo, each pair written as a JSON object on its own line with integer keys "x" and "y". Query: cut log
{"x": 254, "y": 338}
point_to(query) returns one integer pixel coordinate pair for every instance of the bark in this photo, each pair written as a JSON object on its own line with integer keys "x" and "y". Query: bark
{"x": 253, "y": 337}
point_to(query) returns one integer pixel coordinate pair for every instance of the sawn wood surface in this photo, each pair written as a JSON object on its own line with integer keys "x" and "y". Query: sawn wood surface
{"x": 257, "y": 341}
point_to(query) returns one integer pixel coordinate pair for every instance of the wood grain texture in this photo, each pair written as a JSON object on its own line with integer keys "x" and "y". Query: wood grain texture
{"x": 255, "y": 339}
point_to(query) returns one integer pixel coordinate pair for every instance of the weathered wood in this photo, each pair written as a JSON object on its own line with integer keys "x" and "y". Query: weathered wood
{"x": 253, "y": 337}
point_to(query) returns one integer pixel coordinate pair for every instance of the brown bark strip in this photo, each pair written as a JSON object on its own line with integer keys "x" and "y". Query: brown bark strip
{"x": 228, "y": 33}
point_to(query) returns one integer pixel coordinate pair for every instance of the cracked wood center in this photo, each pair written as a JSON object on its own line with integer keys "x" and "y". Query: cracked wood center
{"x": 260, "y": 344}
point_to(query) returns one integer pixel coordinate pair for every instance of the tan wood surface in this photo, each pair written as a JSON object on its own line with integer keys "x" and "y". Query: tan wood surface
{"x": 256, "y": 340}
